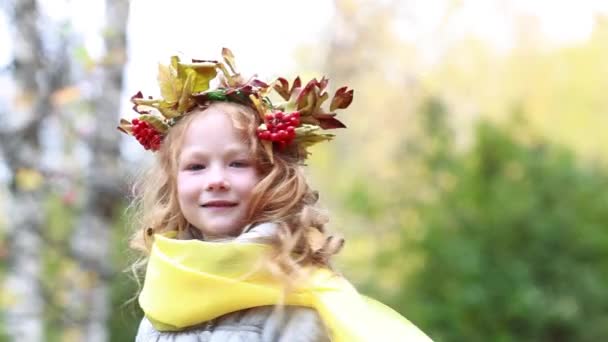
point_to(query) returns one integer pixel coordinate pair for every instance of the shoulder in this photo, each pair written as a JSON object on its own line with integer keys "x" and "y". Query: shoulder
{"x": 265, "y": 323}
{"x": 258, "y": 233}
{"x": 295, "y": 323}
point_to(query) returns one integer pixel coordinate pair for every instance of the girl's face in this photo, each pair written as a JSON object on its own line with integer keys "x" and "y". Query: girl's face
{"x": 216, "y": 175}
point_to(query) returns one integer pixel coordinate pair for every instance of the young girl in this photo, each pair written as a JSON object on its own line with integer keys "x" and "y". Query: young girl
{"x": 235, "y": 248}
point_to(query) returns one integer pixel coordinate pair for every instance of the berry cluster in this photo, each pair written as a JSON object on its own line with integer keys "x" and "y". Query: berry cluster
{"x": 280, "y": 128}
{"x": 147, "y": 135}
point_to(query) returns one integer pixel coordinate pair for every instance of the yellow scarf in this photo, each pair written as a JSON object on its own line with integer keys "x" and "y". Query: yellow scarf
{"x": 191, "y": 281}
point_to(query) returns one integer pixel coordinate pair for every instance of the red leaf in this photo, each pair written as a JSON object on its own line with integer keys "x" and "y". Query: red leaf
{"x": 282, "y": 88}
{"x": 321, "y": 116}
{"x": 257, "y": 83}
{"x": 331, "y": 123}
{"x": 284, "y": 82}
{"x": 297, "y": 83}
{"x": 141, "y": 111}
{"x": 342, "y": 99}
{"x": 306, "y": 90}
{"x": 323, "y": 83}
{"x": 137, "y": 95}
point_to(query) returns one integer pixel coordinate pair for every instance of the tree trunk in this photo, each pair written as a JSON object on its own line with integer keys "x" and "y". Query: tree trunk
{"x": 22, "y": 153}
{"x": 91, "y": 240}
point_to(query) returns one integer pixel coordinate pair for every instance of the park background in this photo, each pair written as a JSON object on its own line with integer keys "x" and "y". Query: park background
{"x": 471, "y": 183}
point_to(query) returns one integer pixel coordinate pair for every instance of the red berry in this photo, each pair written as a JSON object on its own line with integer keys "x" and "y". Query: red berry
{"x": 279, "y": 115}
{"x": 274, "y": 137}
{"x": 147, "y": 135}
{"x": 269, "y": 117}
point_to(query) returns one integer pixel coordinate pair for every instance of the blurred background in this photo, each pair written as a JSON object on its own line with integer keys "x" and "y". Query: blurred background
{"x": 471, "y": 183}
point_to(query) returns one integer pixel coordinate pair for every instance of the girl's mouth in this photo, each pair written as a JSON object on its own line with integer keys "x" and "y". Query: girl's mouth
{"x": 219, "y": 204}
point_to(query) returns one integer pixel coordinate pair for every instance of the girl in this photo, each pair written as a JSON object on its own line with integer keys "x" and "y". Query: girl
{"x": 235, "y": 248}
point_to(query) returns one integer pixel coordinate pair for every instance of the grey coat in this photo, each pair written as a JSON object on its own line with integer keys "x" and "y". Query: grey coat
{"x": 260, "y": 324}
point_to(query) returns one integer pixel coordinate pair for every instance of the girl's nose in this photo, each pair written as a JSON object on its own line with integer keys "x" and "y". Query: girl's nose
{"x": 217, "y": 182}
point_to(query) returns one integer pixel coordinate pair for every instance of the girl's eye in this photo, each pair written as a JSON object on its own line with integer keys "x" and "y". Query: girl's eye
{"x": 195, "y": 167}
{"x": 240, "y": 163}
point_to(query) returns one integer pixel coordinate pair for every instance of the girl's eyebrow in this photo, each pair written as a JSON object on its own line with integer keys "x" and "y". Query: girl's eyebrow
{"x": 236, "y": 149}
{"x": 191, "y": 152}
{"x": 230, "y": 150}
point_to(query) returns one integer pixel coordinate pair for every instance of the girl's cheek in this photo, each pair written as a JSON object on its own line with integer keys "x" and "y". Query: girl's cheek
{"x": 188, "y": 185}
{"x": 250, "y": 180}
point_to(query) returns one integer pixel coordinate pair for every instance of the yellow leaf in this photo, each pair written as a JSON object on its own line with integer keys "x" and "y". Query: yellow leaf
{"x": 156, "y": 122}
{"x": 167, "y": 109}
{"x": 267, "y": 145}
{"x": 258, "y": 106}
{"x": 229, "y": 58}
{"x": 185, "y": 100}
{"x": 176, "y": 66}
{"x": 170, "y": 86}
{"x": 204, "y": 74}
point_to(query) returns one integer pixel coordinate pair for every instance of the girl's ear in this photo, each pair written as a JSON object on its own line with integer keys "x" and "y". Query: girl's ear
{"x": 315, "y": 195}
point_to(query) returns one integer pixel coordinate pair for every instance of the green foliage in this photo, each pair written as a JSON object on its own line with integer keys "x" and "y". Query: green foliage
{"x": 361, "y": 199}
{"x": 59, "y": 268}
{"x": 516, "y": 250}
{"x": 59, "y": 225}
{"x": 126, "y": 313}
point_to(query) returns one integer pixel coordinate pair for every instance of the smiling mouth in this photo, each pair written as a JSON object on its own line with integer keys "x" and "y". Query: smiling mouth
{"x": 219, "y": 204}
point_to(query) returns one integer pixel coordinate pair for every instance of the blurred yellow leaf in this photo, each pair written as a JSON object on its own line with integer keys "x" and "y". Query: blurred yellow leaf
{"x": 7, "y": 298}
{"x": 28, "y": 179}
{"x": 65, "y": 95}
{"x": 23, "y": 100}
{"x": 72, "y": 334}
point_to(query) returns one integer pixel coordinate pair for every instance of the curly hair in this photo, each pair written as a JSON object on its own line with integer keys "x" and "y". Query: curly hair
{"x": 282, "y": 196}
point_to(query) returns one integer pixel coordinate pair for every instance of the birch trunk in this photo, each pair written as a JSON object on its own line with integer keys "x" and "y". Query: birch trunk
{"x": 22, "y": 153}
{"x": 91, "y": 240}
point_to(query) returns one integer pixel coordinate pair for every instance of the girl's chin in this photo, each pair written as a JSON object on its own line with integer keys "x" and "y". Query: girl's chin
{"x": 221, "y": 231}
